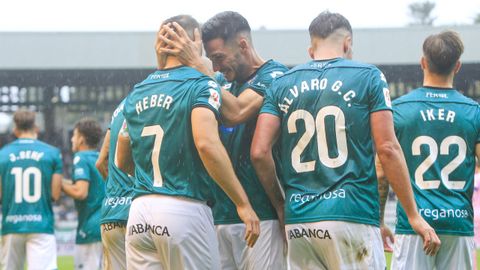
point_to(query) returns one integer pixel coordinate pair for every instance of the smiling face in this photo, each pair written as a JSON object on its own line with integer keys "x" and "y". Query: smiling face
{"x": 227, "y": 58}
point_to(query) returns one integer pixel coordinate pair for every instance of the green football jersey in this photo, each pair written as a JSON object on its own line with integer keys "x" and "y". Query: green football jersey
{"x": 26, "y": 169}
{"x": 89, "y": 209}
{"x": 327, "y": 151}
{"x": 119, "y": 185}
{"x": 158, "y": 115}
{"x": 438, "y": 130}
{"x": 237, "y": 141}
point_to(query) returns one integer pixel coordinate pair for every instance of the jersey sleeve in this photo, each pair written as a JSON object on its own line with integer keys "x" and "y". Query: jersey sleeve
{"x": 261, "y": 82}
{"x": 270, "y": 105}
{"x": 379, "y": 95}
{"x": 57, "y": 162}
{"x": 80, "y": 169}
{"x": 208, "y": 95}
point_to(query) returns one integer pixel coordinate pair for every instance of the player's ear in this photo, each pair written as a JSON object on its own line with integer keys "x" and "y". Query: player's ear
{"x": 347, "y": 47}
{"x": 310, "y": 51}
{"x": 243, "y": 44}
{"x": 458, "y": 65}
{"x": 423, "y": 63}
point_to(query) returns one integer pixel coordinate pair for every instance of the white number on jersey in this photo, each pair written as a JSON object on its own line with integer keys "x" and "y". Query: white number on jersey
{"x": 156, "y": 131}
{"x": 22, "y": 184}
{"x": 432, "y": 157}
{"x": 319, "y": 125}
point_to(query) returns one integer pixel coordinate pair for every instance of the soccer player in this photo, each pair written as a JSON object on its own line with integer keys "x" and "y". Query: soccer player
{"x": 439, "y": 131}
{"x": 324, "y": 114}
{"x": 171, "y": 120}
{"x": 31, "y": 177}
{"x": 88, "y": 191}
{"x": 244, "y": 78}
{"x": 119, "y": 193}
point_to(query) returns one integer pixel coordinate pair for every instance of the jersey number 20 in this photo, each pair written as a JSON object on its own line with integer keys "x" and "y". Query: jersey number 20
{"x": 318, "y": 124}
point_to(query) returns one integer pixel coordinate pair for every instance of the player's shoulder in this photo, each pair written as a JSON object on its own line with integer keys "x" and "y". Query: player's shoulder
{"x": 175, "y": 74}
{"x": 412, "y": 96}
{"x": 85, "y": 157}
{"x": 47, "y": 147}
{"x": 273, "y": 68}
{"x": 348, "y": 63}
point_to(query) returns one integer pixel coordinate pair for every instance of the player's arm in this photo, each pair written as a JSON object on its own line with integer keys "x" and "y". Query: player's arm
{"x": 77, "y": 190}
{"x": 124, "y": 157}
{"x": 266, "y": 134}
{"x": 102, "y": 161}
{"x": 57, "y": 179}
{"x": 383, "y": 188}
{"x": 395, "y": 168}
{"x": 216, "y": 161}
{"x": 237, "y": 110}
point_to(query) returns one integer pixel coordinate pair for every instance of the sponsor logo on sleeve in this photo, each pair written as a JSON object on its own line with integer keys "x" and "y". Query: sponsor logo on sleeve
{"x": 76, "y": 160}
{"x": 212, "y": 84}
{"x": 382, "y": 77}
{"x": 276, "y": 74}
{"x": 214, "y": 99}
{"x": 79, "y": 172}
{"x": 386, "y": 94}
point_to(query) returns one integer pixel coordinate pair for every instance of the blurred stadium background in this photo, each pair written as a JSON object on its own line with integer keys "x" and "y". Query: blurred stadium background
{"x": 65, "y": 76}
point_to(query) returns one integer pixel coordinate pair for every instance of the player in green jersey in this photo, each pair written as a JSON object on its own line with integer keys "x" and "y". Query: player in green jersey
{"x": 327, "y": 115}
{"x": 119, "y": 193}
{"x": 171, "y": 118}
{"x": 88, "y": 191}
{"x": 244, "y": 78}
{"x": 31, "y": 177}
{"x": 439, "y": 131}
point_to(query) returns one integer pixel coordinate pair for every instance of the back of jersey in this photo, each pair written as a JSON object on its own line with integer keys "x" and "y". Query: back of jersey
{"x": 326, "y": 146}
{"x": 158, "y": 115}
{"x": 26, "y": 169}
{"x": 438, "y": 130}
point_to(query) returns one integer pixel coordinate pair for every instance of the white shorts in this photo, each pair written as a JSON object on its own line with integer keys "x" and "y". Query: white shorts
{"x": 267, "y": 253}
{"x": 166, "y": 232}
{"x": 88, "y": 256}
{"x": 40, "y": 250}
{"x": 456, "y": 252}
{"x": 113, "y": 241}
{"x": 334, "y": 245}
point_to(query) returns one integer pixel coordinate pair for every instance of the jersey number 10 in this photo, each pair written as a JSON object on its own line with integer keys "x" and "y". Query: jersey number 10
{"x": 22, "y": 184}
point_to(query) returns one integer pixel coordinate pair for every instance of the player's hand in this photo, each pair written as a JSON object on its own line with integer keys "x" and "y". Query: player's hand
{"x": 175, "y": 41}
{"x": 387, "y": 238}
{"x": 252, "y": 224}
{"x": 161, "y": 56}
{"x": 431, "y": 242}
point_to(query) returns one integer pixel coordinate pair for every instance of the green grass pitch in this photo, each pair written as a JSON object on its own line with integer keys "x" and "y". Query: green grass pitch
{"x": 66, "y": 262}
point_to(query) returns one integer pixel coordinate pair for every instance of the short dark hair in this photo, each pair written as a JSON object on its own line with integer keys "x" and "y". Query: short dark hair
{"x": 90, "y": 129}
{"x": 442, "y": 51}
{"x": 225, "y": 25}
{"x": 187, "y": 22}
{"x": 327, "y": 23}
{"x": 24, "y": 120}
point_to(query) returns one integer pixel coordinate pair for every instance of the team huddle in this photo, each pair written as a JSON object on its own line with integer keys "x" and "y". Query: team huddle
{"x": 236, "y": 162}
